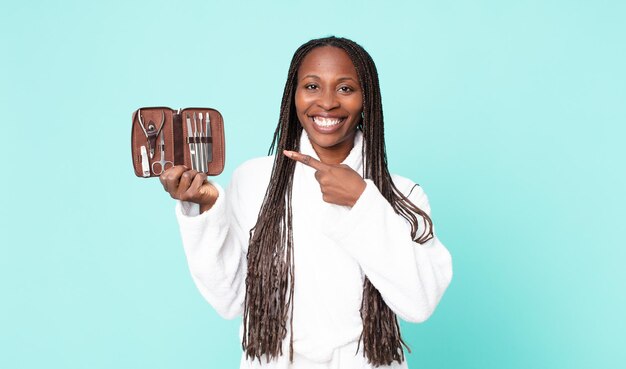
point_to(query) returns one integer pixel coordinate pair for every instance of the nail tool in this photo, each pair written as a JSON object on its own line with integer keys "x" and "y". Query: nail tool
{"x": 145, "y": 164}
{"x": 151, "y": 132}
{"x": 209, "y": 144}
{"x": 196, "y": 139}
{"x": 202, "y": 148}
{"x": 192, "y": 150}
{"x": 162, "y": 163}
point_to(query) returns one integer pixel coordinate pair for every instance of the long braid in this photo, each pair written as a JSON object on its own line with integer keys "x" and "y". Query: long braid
{"x": 270, "y": 279}
{"x": 381, "y": 333}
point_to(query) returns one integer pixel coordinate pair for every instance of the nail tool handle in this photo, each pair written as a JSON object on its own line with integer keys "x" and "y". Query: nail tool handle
{"x": 192, "y": 149}
{"x": 195, "y": 139}
{"x": 145, "y": 164}
{"x": 202, "y": 148}
{"x": 209, "y": 144}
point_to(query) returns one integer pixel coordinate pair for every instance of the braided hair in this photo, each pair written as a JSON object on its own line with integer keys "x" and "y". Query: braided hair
{"x": 270, "y": 278}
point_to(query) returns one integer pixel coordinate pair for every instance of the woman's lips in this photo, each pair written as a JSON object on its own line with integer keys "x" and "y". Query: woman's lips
{"x": 326, "y": 124}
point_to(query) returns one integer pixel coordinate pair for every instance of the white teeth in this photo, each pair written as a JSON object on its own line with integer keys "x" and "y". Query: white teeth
{"x": 326, "y": 122}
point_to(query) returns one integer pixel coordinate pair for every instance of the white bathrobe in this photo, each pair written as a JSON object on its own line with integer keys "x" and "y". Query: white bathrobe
{"x": 335, "y": 247}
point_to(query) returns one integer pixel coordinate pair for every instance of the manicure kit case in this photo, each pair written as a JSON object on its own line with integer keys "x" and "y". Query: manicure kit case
{"x": 181, "y": 136}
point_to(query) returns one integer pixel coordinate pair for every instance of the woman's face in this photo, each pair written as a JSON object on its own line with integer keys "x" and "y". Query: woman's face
{"x": 329, "y": 102}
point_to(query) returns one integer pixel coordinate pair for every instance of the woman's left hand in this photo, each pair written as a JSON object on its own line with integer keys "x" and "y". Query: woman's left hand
{"x": 339, "y": 183}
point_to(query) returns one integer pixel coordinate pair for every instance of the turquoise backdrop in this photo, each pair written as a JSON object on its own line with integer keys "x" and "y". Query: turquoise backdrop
{"x": 511, "y": 115}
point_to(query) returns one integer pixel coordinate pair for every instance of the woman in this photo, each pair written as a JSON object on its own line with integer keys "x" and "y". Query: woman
{"x": 318, "y": 247}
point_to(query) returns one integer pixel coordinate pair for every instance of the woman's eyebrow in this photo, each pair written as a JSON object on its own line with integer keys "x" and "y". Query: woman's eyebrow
{"x": 346, "y": 79}
{"x": 340, "y": 79}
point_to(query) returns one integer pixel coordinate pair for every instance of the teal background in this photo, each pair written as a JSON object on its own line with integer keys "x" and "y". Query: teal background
{"x": 511, "y": 115}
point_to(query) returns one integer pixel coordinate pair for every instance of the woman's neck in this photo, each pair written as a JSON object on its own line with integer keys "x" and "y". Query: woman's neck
{"x": 334, "y": 155}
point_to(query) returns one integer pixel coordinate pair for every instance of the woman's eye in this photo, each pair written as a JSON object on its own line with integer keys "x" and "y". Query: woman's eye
{"x": 345, "y": 89}
{"x": 310, "y": 87}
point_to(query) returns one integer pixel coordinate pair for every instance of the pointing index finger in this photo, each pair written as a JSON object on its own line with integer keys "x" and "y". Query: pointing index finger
{"x": 305, "y": 159}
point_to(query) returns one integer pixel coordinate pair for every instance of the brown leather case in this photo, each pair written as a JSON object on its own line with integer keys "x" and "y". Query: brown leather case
{"x": 181, "y": 146}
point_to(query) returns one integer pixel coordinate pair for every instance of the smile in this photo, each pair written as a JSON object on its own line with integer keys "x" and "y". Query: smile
{"x": 327, "y": 122}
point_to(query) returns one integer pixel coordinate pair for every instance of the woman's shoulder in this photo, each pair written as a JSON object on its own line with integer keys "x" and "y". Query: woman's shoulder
{"x": 248, "y": 185}
{"x": 254, "y": 171}
{"x": 255, "y": 166}
{"x": 405, "y": 185}
{"x": 410, "y": 189}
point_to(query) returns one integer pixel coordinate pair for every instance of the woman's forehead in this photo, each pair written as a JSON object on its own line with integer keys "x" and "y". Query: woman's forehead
{"x": 327, "y": 61}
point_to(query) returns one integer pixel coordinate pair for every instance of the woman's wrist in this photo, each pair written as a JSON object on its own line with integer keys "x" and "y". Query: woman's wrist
{"x": 211, "y": 194}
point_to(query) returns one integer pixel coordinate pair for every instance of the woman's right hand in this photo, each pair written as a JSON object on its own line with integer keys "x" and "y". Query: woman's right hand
{"x": 190, "y": 185}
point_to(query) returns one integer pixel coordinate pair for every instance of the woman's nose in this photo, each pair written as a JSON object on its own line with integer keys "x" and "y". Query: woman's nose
{"x": 328, "y": 100}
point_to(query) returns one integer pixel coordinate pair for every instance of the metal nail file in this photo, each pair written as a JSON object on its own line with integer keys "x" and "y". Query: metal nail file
{"x": 209, "y": 145}
{"x": 196, "y": 138}
{"x": 202, "y": 148}
{"x": 192, "y": 149}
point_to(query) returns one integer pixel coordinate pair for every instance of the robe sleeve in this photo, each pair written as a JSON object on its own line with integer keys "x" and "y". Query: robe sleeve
{"x": 410, "y": 277}
{"x": 214, "y": 246}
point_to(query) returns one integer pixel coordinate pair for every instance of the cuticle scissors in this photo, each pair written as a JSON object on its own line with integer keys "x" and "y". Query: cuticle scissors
{"x": 162, "y": 163}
